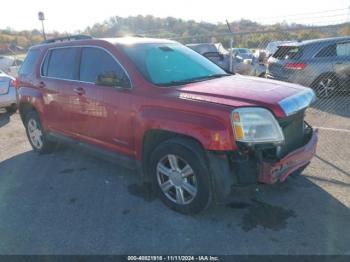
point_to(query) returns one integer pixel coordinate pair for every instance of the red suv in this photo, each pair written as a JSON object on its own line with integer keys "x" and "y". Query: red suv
{"x": 192, "y": 130}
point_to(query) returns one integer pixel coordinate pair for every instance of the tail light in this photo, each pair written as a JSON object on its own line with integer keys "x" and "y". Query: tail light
{"x": 295, "y": 66}
{"x": 15, "y": 83}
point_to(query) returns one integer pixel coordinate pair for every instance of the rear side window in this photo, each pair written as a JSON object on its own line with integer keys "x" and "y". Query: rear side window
{"x": 328, "y": 51}
{"x": 29, "y": 62}
{"x": 96, "y": 63}
{"x": 61, "y": 63}
{"x": 288, "y": 52}
{"x": 343, "y": 49}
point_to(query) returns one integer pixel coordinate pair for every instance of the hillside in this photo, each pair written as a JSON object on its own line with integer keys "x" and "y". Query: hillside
{"x": 185, "y": 31}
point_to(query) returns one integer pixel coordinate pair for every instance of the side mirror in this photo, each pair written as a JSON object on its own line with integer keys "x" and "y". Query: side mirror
{"x": 111, "y": 79}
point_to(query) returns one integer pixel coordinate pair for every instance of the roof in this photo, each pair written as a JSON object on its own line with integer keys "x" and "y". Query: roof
{"x": 129, "y": 40}
{"x": 314, "y": 41}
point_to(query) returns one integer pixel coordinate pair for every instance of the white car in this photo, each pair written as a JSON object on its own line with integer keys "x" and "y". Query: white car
{"x": 10, "y": 65}
{"x": 8, "y": 93}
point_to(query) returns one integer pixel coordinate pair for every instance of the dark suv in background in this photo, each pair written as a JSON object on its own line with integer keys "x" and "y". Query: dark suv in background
{"x": 322, "y": 64}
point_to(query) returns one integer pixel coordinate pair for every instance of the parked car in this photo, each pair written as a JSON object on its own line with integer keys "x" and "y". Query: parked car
{"x": 10, "y": 65}
{"x": 214, "y": 52}
{"x": 272, "y": 47}
{"x": 245, "y": 53}
{"x": 246, "y": 63}
{"x": 8, "y": 93}
{"x": 322, "y": 64}
{"x": 190, "y": 129}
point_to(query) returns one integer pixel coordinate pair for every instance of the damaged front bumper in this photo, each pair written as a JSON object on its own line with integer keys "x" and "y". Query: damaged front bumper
{"x": 241, "y": 169}
{"x": 271, "y": 172}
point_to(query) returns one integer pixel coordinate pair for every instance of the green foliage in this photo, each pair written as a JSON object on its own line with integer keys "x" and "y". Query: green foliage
{"x": 249, "y": 34}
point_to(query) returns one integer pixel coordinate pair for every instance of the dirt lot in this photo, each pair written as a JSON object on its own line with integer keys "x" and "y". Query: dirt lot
{"x": 70, "y": 202}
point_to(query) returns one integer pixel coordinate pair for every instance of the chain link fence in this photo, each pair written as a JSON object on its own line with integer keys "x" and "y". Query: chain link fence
{"x": 326, "y": 65}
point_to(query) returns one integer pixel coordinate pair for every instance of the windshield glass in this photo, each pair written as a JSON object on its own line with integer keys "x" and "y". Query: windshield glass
{"x": 170, "y": 64}
{"x": 244, "y": 51}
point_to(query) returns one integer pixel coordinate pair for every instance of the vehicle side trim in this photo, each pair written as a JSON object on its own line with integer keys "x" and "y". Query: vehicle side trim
{"x": 120, "y": 159}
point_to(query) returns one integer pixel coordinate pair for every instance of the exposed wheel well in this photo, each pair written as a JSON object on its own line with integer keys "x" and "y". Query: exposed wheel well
{"x": 155, "y": 137}
{"x": 25, "y": 107}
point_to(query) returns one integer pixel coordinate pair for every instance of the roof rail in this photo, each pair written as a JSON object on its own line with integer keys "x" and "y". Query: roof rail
{"x": 66, "y": 38}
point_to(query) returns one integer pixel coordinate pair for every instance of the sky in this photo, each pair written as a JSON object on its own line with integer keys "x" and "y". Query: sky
{"x": 70, "y": 16}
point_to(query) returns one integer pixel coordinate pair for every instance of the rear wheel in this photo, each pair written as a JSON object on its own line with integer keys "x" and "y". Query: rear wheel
{"x": 35, "y": 133}
{"x": 180, "y": 176}
{"x": 326, "y": 86}
{"x": 12, "y": 108}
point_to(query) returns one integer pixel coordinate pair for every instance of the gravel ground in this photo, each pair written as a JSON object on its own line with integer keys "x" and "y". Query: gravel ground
{"x": 70, "y": 202}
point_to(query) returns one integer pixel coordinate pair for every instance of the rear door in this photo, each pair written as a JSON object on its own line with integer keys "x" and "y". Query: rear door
{"x": 342, "y": 64}
{"x": 59, "y": 81}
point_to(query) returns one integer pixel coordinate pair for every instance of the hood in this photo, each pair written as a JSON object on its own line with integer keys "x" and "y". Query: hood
{"x": 280, "y": 97}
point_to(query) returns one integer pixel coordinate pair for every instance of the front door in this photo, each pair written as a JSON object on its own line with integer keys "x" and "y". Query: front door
{"x": 104, "y": 108}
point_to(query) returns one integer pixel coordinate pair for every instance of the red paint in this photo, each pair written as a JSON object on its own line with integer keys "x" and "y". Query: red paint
{"x": 118, "y": 119}
{"x": 270, "y": 173}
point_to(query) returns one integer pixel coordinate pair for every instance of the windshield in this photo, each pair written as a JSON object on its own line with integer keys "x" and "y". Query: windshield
{"x": 171, "y": 64}
{"x": 244, "y": 51}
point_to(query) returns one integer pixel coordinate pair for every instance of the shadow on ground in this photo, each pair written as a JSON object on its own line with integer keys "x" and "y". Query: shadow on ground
{"x": 4, "y": 118}
{"x": 337, "y": 105}
{"x": 72, "y": 203}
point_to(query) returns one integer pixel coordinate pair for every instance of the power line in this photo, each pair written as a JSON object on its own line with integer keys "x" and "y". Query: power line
{"x": 302, "y": 14}
{"x": 263, "y": 31}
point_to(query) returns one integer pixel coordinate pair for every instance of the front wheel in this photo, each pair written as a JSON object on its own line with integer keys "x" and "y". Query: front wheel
{"x": 180, "y": 176}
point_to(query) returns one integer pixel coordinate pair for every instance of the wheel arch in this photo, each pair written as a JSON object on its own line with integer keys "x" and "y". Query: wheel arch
{"x": 322, "y": 75}
{"x": 25, "y": 107}
{"x": 154, "y": 137}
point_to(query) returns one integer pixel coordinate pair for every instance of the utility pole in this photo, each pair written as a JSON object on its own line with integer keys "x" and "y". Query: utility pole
{"x": 231, "y": 46}
{"x": 41, "y": 17}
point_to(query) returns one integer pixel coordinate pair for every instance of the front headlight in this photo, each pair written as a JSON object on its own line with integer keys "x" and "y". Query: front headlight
{"x": 256, "y": 125}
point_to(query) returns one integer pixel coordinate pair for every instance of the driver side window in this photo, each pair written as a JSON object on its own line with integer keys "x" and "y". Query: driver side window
{"x": 99, "y": 67}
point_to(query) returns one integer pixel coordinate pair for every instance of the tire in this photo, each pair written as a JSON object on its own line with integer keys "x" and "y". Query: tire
{"x": 262, "y": 75}
{"x": 36, "y": 135}
{"x": 189, "y": 191}
{"x": 11, "y": 109}
{"x": 326, "y": 86}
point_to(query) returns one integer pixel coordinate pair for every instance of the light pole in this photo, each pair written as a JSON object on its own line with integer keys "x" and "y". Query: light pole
{"x": 231, "y": 46}
{"x": 41, "y": 17}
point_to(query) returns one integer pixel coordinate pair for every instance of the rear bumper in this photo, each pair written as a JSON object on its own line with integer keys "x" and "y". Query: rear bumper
{"x": 9, "y": 98}
{"x": 270, "y": 173}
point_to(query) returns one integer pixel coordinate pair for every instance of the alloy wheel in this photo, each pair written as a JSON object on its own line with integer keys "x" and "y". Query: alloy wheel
{"x": 326, "y": 87}
{"x": 177, "y": 179}
{"x": 35, "y": 134}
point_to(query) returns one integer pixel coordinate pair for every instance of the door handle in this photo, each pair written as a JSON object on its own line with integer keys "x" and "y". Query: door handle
{"x": 79, "y": 90}
{"x": 41, "y": 84}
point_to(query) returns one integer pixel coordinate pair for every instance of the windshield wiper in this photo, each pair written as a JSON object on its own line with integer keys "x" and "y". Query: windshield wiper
{"x": 193, "y": 80}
